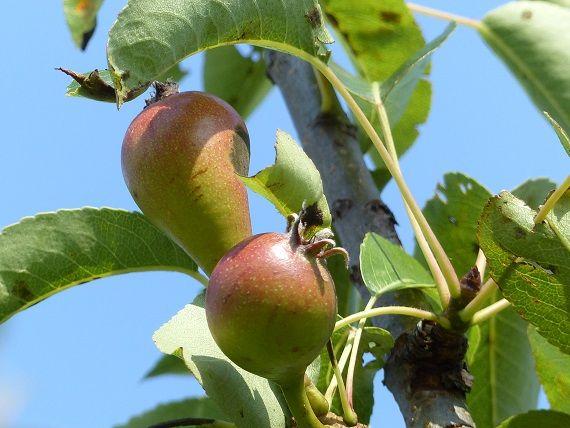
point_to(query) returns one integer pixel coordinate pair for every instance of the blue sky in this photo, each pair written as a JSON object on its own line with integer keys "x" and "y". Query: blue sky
{"x": 77, "y": 359}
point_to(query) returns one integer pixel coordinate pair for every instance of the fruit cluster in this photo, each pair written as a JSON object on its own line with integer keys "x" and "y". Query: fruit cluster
{"x": 271, "y": 303}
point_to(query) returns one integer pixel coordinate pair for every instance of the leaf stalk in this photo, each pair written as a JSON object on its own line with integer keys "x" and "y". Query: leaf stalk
{"x": 479, "y": 300}
{"x": 490, "y": 311}
{"x": 551, "y": 201}
{"x": 393, "y": 310}
{"x": 446, "y": 16}
{"x": 439, "y": 252}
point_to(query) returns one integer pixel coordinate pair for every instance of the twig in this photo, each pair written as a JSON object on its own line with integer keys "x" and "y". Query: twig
{"x": 392, "y": 310}
{"x": 435, "y": 13}
{"x": 490, "y": 311}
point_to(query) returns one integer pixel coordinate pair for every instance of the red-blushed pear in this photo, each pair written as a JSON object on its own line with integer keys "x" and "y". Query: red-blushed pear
{"x": 180, "y": 157}
{"x": 271, "y": 307}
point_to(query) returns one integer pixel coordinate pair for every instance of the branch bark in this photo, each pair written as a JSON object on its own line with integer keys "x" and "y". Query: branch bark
{"x": 330, "y": 140}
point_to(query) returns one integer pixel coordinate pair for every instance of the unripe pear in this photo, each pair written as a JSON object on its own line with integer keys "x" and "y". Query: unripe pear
{"x": 271, "y": 305}
{"x": 180, "y": 158}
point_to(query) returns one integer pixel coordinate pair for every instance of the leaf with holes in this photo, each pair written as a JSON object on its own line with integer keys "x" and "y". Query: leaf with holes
{"x": 247, "y": 399}
{"x": 534, "y": 192}
{"x": 453, "y": 214}
{"x": 532, "y": 38}
{"x": 538, "y": 418}
{"x": 292, "y": 182}
{"x": 387, "y": 267}
{"x": 202, "y": 407}
{"x": 51, "y": 252}
{"x": 501, "y": 362}
{"x": 553, "y": 369}
{"x": 239, "y": 80}
{"x": 531, "y": 263}
{"x": 81, "y": 17}
{"x": 150, "y": 36}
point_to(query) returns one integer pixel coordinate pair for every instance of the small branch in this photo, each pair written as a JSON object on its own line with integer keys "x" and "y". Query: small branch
{"x": 551, "y": 201}
{"x": 439, "y": 14}
{"x": 490, "y": 311}
{"x": 479, "y": 301}
{"x": 349, "y": 415}
{"x": 392, "y": 310}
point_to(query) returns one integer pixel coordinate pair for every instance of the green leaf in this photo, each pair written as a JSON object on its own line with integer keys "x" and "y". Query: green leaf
{"x": 553, "y": 369}
{"x": 538, "y": 418}
{"x": 240, "y": 81}
{"x": 247, "y": 399}
{"x": 501, "y": 362}
{"x": 51, "y": 252}
{"x": 531, "y": 264}
{"x": 387, "y": 267}
{"x": 407, "y": 99}
{"x": 202, "y": 407}
{"x": 292, "y": 181}
{"x": 168, "y": 365}
{"x": 81, "y": 17}
{"x": 150, "y": 36}
{"x": 534, "y": 192}
{"x": 453, "y": 214}
{"x": 531, "y": 37}
{"x": 561, "y": 132}
{"x": 386, "y": 45}
{"x": 342, "y": 283}
{"x": 380, "y": 38}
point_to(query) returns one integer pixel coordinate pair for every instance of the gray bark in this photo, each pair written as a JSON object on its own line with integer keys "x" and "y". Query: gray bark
{"x": 330, "y": 140}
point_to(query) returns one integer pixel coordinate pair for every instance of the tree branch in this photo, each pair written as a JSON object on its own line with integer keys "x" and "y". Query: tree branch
{"x": 331, "y": 142}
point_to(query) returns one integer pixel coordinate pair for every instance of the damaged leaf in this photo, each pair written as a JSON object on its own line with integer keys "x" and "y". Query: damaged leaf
{"x": 292, "y": 183}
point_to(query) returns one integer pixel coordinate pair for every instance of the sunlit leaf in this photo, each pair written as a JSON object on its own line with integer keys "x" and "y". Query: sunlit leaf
{"x": 292, "y": 182}
{"x": 387, "y": 267}
{"x": 247, "y": 399}
{"x": 531, "y": 263}
{"x": 51, "y": 252}
{"x": 532, "y": 38}
{"x": 151, "y": 36}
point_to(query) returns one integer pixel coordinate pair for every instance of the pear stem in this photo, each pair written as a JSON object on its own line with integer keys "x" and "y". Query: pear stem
{"x": 294, "y": 392}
